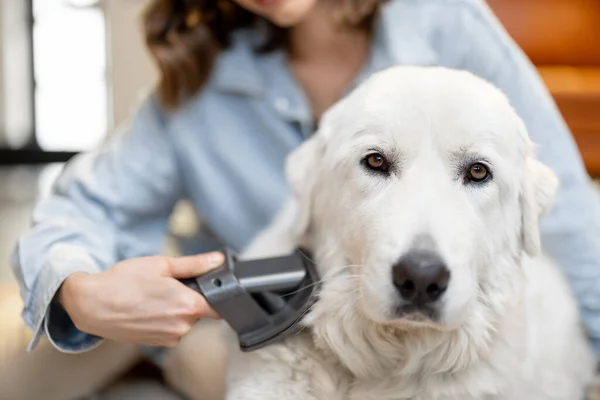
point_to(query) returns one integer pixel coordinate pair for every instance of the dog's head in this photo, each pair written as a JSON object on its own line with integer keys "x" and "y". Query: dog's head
{"x": 421, "y": 193}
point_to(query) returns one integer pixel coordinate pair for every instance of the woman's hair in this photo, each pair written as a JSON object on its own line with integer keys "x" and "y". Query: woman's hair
{"x": 185, "y": 36}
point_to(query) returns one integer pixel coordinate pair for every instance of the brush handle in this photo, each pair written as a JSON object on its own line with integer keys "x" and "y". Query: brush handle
{"x": 261, "y": 300}
{"x": 196, "y": 282}
{"x": 191, "y": 283}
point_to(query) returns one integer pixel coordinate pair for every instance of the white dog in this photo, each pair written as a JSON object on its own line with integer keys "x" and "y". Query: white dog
{"x": 420, "y": 198}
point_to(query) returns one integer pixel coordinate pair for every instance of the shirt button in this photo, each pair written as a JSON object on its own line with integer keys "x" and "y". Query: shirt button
{"x": 282, "y": 104}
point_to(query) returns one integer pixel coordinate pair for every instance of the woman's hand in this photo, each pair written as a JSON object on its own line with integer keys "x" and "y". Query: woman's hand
{"x": 139, "y": 300}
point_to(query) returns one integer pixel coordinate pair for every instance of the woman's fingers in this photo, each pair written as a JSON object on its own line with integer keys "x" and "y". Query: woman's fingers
{"x": 193, "y": 266}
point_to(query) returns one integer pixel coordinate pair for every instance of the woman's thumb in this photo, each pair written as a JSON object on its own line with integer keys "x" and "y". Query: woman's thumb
{"x": 192, "y": 266}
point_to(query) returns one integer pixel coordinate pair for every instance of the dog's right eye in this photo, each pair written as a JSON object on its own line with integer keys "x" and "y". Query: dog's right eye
{"x": 478, "y": 173}
{"x": 377, "y": 162}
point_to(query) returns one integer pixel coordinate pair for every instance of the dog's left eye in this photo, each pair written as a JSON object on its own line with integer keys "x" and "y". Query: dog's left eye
{"x": 377, "y": 162}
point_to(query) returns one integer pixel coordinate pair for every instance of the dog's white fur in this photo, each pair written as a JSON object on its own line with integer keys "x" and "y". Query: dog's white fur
{"x": 509, "y": 327}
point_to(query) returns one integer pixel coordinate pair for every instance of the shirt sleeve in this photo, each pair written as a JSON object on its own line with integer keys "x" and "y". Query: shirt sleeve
{"x": 571, "y": 231}
{"x": 106, "y": 206}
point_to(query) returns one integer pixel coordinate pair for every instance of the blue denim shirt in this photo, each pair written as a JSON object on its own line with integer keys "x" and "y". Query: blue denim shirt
{"x": 224, "y": 152}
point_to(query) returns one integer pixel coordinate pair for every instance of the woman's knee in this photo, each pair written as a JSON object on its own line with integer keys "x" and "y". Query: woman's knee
{"x": 14, "y": 335}
{"x": 45, "y": 372}
{"x": 196, "y": 367}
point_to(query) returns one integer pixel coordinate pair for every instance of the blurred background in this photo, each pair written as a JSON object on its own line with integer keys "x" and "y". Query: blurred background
{"x": 72, "y": 70}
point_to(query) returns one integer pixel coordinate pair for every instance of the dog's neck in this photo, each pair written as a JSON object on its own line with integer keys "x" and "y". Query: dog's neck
{"x": 370, "y": 350}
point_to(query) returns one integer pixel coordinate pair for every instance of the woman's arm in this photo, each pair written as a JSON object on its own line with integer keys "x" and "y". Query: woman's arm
{"x": 476, "y": 41}
{"x": 107, "y": 206}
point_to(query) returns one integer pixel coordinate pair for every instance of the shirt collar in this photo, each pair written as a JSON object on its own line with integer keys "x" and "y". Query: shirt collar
{"x": 241, "y": 70}
{"x": 236, "y": 69}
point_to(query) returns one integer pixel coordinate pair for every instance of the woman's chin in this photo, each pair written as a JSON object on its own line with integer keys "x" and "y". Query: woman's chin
{"x": 282, "y": 13}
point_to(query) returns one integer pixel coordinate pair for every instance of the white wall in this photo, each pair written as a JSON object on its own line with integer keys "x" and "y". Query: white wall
{"x": 130, "y": 70}
{"x": 2, "y": 95}
{"x": 15, "y": 79}
{"x": 130, "y": 67}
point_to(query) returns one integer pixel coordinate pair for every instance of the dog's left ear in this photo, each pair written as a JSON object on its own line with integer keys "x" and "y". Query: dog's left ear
{"x": 540, "y": 185}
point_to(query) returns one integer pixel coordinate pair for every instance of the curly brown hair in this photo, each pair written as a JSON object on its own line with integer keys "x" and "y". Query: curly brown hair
{"x": 185, "y": 36}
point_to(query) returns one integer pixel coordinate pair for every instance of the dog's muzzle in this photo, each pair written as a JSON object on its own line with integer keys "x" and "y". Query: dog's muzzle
{"x": 421, "y": 278}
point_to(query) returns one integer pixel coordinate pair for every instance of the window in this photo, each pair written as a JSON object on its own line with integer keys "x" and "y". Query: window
{"x": 70, "y": 74}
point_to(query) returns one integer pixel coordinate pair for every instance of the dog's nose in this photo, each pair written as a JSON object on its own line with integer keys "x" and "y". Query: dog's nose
{"x": 421, "y": 277}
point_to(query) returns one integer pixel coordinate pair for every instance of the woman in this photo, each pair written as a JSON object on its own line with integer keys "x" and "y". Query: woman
{"x": 242, "y": 84}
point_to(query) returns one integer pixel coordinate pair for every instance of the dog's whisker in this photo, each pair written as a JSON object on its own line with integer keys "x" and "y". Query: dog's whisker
{"x": 306, "y": 256}
{"x": 325, "y": 278}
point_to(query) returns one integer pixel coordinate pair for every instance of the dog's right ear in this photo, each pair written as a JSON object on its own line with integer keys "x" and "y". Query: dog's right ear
{"x": 301, "y": 171}
{"x": 303, "y": 166}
